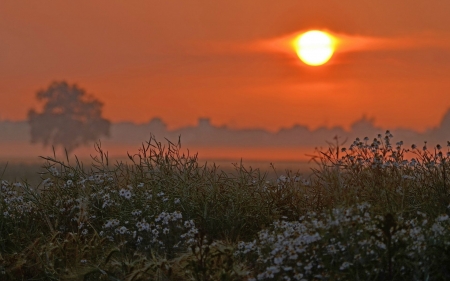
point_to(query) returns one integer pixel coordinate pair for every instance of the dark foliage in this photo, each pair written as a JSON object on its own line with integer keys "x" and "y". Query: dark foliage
{"x": 70, "y": 117}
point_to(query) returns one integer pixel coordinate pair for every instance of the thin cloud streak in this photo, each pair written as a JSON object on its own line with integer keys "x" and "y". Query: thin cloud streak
{"x": 345, "y": 43}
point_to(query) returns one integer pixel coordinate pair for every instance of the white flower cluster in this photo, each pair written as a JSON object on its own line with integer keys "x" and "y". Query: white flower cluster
{"x": 338, "y": 244}
{"x": 381, "y": 153}
{"x": 12, "y": 203}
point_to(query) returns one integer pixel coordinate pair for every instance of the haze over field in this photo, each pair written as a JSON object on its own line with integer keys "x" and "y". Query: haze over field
{"x": 213, "y": 142}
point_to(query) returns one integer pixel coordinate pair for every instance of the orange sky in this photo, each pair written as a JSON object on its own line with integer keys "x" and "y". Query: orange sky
{"x": 181, "y": 60}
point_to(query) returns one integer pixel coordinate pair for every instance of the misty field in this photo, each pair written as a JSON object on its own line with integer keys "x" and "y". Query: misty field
{"x": 374, "y": 210}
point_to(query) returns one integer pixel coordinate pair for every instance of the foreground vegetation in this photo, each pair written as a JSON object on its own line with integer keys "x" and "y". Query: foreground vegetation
{"x": 371, "y": 211}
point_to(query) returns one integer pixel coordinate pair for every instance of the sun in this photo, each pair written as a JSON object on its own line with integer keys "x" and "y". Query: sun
{"x": 314, "y": 47}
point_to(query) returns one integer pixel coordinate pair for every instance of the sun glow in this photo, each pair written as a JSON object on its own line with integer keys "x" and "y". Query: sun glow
{"x": 314, "y": 47}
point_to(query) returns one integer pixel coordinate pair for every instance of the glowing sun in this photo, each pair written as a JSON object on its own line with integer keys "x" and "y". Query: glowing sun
{"x": 314, "y": 47}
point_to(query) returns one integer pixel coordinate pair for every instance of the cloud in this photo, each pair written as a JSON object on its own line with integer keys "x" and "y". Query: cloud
{"x": 351, "y": 43}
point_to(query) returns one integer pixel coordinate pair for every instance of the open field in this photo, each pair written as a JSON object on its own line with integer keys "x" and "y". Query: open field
{"x": 374, "y": 210}
{"x": 19, "y": 170}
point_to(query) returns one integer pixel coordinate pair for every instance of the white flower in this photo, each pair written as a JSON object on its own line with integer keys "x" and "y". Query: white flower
{"x": 282, "y": 179}
{"x": 54, "y": 171}
{"x": 442, "y": 218}
{"x": 177, "y": 215}
{"x": 127, "y": 194}
{"x": 308, "y": 267}
{"x": 136, "y": 213}
{"x": 122, "y": 230}
{"x": 437, "y": 229}
{"x": 278, "y": 260}
{"x": 345, "y": 265}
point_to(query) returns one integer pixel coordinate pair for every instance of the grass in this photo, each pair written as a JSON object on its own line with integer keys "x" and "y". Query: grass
{"x": 371, "y": 211}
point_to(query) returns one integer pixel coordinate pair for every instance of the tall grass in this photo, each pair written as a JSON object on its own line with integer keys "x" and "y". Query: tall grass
{"x": 371, "y": 211}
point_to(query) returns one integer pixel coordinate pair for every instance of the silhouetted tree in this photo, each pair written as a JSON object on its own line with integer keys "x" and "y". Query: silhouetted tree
{"x": 70, "y": 118}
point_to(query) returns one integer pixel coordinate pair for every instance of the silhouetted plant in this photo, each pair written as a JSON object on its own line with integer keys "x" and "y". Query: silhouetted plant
{"x": 70, "y": 117}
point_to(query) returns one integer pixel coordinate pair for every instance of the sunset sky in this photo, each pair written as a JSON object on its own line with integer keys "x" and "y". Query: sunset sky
{"x": 231, "y": 61}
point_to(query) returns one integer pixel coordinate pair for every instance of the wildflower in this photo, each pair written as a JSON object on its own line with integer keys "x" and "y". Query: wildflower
{"x": 278, "y": 260}
{"x": 282, "y": 179}
{"x": 69, "y": 183}
{"x": 160, "y": 194}
{"x": 84, "y": 232}
{"x": 438, "y": 229}
{"x": 438, "y": 147}
{"x": 442, "y": 218}
{"x": 122, "y": 192}
{"x": 345, "y": 265}
{"x": 54, "y": 171}
{"x": 122, "y": 230}
{"x": 308, "y": 267}
{"x": 17, "y": 184}
{"x": 380, "y": 245}
{"x": 127, "y": 194}
{"x": 271, "y": 270}
{"x": 166, "y": 230}
{"x": 177, "y": 201}
{"x": 83, "y": 261}
{"x": 140, "y": 185}
{"x": 136, "y": 213}
{"x": 177, "y": 215}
